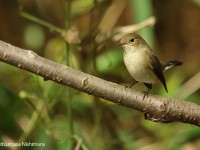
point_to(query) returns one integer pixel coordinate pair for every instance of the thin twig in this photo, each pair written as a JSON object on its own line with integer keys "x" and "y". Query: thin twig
{"x": 119, "y": 32}
{"x": 191, "y": 86}
{"x": 40, "y": 21}
{"x": 78, "y": 145}
{"x": 69, "y": 100}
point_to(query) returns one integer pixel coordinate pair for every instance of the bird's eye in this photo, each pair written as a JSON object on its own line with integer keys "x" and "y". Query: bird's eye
{"x": 132, "y": 40}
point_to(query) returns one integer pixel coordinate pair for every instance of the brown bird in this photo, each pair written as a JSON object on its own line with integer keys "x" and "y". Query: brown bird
{"x": 141, "y": 62}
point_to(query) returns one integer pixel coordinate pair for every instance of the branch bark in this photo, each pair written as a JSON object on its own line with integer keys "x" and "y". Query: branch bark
{"x": 155, "y": 108}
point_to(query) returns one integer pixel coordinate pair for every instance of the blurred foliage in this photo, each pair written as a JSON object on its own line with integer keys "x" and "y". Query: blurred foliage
{"x": 35, "y": 110}
{"x": 196, "y": 1}
{"x": 33, "y": 36}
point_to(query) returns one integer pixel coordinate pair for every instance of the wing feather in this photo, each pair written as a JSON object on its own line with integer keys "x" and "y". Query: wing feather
{"x": 158, "y": 70}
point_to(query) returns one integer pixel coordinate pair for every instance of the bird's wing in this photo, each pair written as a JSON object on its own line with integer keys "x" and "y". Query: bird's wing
{"x": 158, "y": 70}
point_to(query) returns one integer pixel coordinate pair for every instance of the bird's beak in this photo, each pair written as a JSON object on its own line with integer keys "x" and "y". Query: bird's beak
{"x": 121, "y": 43}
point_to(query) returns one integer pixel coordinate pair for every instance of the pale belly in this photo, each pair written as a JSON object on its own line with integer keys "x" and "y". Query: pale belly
{"x": 138, "y": 68}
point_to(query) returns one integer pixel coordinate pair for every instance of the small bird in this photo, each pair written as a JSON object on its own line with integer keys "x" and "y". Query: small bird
{"x": 141, "y": 62}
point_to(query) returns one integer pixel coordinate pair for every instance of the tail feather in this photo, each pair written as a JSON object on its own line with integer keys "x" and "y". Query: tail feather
{"x": 171, "y": 64}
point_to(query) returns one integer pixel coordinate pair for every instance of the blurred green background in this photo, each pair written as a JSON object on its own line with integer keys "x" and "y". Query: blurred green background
{"x": 76, "y": 33}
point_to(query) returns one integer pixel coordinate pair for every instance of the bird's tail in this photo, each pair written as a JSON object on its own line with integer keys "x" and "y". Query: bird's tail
{"x": 171, "y": 64}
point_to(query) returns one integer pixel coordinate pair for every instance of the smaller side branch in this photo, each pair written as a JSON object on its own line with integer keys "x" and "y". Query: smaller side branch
{"x": 155, "y": 108}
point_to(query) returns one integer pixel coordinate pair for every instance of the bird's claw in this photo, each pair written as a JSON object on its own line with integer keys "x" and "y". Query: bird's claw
{"x": 146, "y": 93}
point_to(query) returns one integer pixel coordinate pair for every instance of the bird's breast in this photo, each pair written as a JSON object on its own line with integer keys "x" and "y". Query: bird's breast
{"x": 138, "y": 65}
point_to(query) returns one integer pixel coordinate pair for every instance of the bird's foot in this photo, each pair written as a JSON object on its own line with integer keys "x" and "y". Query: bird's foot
{"x": 145, "y": 94}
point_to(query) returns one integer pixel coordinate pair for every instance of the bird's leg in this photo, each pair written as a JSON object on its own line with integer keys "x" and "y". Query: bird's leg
{"x": 131, "y": 84}
{"x": 149, "y": 86}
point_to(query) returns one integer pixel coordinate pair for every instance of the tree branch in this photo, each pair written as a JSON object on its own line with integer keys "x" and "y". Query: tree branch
{"x": 155, "y": 108}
